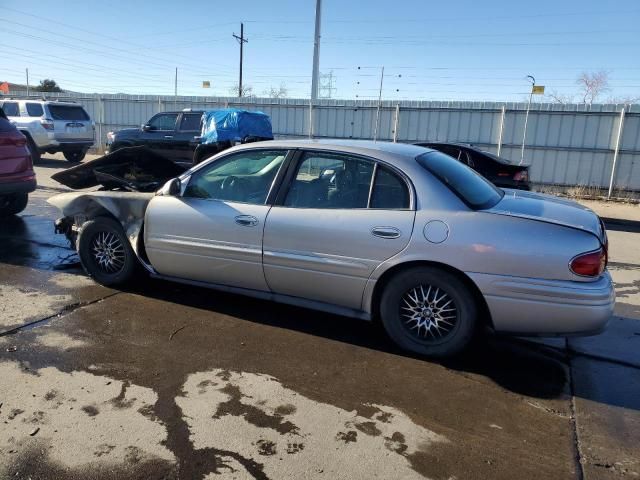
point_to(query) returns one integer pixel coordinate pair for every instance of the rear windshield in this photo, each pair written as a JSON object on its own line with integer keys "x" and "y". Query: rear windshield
{"x": 67, "y": 112}
{"x": 473, "y": 189}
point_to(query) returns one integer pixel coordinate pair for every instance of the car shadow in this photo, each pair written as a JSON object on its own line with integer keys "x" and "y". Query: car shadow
{"x": 522, "y": 368}
{"x": 55, "y": 163}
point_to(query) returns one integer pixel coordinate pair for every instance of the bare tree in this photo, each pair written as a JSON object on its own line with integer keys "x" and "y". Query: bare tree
{"x": 592, "y": 85}
{"x": 624, "y": 100}
{"x": 280, "y": 92}
{"x": 247, "y": 91}
{"x": 561, "y": 98}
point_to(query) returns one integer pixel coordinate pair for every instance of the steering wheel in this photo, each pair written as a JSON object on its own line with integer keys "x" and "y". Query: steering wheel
{"x": 229, "y": 183}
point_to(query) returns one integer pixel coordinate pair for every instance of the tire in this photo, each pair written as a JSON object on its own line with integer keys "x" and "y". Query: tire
{"x": 13, "y": 204}
{"x": 74, "y": 155}
{"x": 33, "y": 150}
{"x": 434, "y": 332}
{"x": 107, "y": 235}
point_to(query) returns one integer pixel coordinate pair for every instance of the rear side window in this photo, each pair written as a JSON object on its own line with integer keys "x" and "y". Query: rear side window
{"x": 11, "y": 109}
{"x": 389, "y": 191}
{"x": 67, "y": 112}
{"x": 191, "y": 122}
{"x": 34, "y": 110}
{"x": 473, "y": 189}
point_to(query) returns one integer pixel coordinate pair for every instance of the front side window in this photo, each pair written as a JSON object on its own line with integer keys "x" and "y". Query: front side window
{"x": 243, "y": 177}
{"x": 472, "y": 188}
{"x": 67, "y": 112}
{"x": 191, "y": 122}
{"x": 164, "y": 122}
{"x": 326, "y": 180}
{"x": 34, "y": 109}
{"x": 11, "y": 109}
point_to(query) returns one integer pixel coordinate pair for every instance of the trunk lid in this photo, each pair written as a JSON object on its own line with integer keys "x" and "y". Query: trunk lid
{"x": 550, "y": 209}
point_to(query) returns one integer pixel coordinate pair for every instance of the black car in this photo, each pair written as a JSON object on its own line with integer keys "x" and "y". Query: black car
{"x": 190, "y": 136}
{"x": 500, "y": 171}
{"x": 174, "y": 135}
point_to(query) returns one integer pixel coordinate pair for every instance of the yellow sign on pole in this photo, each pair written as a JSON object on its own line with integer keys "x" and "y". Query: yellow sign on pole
{"x": 206, "y": 84}
{"x": 538, "y": 90}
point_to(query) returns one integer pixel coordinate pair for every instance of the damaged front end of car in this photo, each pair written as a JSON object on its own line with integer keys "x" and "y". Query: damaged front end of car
{"x": 127, "y": 181}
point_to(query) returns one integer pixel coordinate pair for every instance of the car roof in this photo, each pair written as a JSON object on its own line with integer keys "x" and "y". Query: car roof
{"x": 392, "y": 152}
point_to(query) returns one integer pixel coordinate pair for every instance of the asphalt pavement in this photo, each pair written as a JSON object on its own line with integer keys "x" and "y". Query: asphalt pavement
{"x": 164, "y": 381}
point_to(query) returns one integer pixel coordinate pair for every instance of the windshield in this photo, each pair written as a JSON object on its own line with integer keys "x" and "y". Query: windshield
{"x": 473, "y": 189}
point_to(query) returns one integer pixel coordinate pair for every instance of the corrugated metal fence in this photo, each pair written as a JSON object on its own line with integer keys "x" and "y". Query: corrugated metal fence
{"x": 565, "y": 144}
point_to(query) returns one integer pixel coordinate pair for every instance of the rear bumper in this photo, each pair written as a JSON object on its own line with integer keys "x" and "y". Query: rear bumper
{"x": 22, "y": 186}
{"x": 67, "y": 145}
{"x": 529, "y": 306}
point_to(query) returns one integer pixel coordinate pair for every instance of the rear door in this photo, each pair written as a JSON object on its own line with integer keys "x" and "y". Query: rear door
{"x": 213, "y": 232}
{"x": 332, "y": 227}
{"x": 187, "y": 136}
{"x": 71, "y": 123}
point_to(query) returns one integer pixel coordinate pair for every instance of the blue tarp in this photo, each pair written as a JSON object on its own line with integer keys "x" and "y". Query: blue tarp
{"x": 234, "y": 125}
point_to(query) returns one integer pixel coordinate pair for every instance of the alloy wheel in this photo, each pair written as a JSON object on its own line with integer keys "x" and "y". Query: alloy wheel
{"x": 428, "y": 313}
{"x": 108, "y": 252}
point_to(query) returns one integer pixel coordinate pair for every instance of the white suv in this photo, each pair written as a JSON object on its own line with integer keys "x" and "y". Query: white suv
{"x": 52, "y": 126}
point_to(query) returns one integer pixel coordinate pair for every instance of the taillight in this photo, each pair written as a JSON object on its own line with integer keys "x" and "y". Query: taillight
{"x": 14, "y": 139}
{"x": 590, "y": 264}
{"x": 47, "y": 124}
{"x": 521, "y": 176}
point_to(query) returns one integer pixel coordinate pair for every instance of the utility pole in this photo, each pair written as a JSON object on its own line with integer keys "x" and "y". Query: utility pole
{"x": 175, "y": 91}
{"x": 375, "y": 132}
{"x": 526, "y": 118}
{"x": 27, "y": 82}
{"x": 316, "y": 53}
{"x": 242, "y": 41}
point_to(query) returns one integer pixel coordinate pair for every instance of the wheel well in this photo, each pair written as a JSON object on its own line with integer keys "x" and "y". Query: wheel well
{"x": 485, "y": 314}
{"x": 28, "y": 135}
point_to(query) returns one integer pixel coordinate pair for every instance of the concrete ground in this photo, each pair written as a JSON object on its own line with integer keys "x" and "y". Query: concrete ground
{"x": 164, "y": 381}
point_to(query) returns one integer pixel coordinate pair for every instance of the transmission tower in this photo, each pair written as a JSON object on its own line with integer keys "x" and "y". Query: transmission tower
{"x": 326, "y": 85}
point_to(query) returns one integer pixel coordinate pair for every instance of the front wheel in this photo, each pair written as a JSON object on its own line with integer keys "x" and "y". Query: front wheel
{"x": 13, "y": 204}
{"x": 105, "y": 252}
{"x": 429, "y": 311}
{"x": 74, "y": 155}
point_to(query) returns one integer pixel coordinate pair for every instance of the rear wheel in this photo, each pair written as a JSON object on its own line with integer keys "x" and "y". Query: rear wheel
{"x": 105, "y": 252}
{"x": 429, "y": 311}
{"x": 13, "y": 204}
{"x": 74, "y": 155}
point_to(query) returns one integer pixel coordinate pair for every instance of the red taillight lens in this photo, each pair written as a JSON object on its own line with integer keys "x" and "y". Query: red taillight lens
{"x": 521, "y": 176}
{"x": 47, "y": 124}
{"x": 589, "y": 264}
{"x": 14, "y": 139}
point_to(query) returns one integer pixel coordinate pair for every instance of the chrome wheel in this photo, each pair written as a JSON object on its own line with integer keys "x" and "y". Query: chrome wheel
{"x": 428, "y": 313}
{"x": 108, "y": 252}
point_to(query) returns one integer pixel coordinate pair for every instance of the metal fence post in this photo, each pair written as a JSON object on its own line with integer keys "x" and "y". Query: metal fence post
{"x": 396, "y": 122}
{"x": 100, "y": 147}
{"x": 501, "y": 131}
{"x": 310, "y": 118}
{"x": 616, "y": 152}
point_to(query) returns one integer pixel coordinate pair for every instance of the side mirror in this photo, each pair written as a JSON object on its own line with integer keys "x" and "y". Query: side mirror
{"x": 145, "y": 127}
{"x": 174, "y": 187}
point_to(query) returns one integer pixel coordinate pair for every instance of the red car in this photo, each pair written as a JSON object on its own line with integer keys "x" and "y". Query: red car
{"x": 17, "y": 178}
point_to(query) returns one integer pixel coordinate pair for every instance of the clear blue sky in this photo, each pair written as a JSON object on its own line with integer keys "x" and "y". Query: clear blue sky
{"x": 441, "y": 50}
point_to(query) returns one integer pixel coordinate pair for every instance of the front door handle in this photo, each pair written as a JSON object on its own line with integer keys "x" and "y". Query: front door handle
{"x": 246, "y": 220}
{"x": 168, "y": 136}
{"x": 385, "y": 232}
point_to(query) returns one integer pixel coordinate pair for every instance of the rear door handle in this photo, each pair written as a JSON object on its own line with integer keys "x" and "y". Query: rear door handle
{"x": 246, "y": 220}
{"x": 385, "y": 232}
{"x": 168, "y": 136}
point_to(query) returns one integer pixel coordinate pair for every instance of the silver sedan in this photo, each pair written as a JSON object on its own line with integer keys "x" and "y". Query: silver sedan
{"x": 379, "y": 231}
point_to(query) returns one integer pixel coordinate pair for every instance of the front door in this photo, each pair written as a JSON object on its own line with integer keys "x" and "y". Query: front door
{"x": 212, "y": 232}
{"x": 158, "y": 134}
{"x": 340, "y": 219}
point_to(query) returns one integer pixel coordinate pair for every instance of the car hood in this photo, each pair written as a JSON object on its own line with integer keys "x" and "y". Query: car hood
{"x": 550, "y": 209}
{"x": 135, "y": 169}
{"x": 127, "y": 133}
